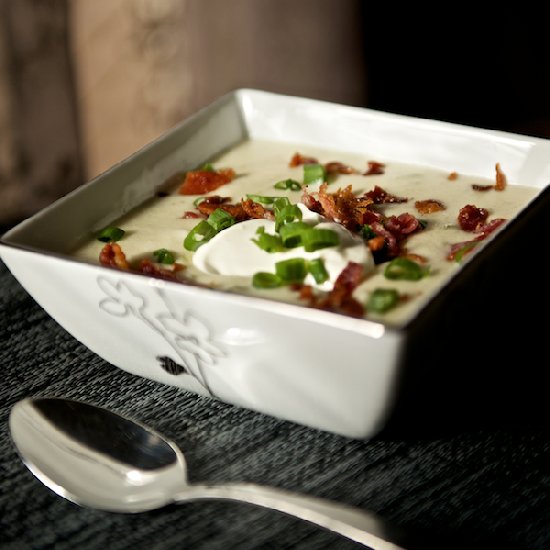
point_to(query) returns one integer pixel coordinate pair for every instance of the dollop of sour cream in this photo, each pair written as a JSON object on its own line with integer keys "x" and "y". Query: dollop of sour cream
{"x": 233, "y": 252}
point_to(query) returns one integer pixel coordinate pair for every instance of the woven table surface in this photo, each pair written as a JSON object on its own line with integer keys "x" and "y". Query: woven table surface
{"x": 486, "y": 484}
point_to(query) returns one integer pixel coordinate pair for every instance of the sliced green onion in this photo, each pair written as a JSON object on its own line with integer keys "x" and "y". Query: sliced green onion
{"x": 404, "y": 269}
{"x": 207, "y": 167}
{"x": 285, "y": 212}
{"x": 111, "y": 234}
{"x": 461, "y": 252}
{"x": 292, "y": 232}
{"x": 265, "y": 280}
{"x": 164, "y": 256}
{"x": 261, "y": 199}
{"x": 268, "y": 242}
{"x": 382, "y": 299}
{"x": 197, "y": 201}
{"x": 367, "y": 232}
{"x": 314, "y": 174}
{"x": 291, "y": 184}
{"x": 201, "y": 233}
{"x": 318, "y": 270}
{"x": 220, "y": 219}
{"x": 290, "y": 271}
{"x": 315, "y": 239}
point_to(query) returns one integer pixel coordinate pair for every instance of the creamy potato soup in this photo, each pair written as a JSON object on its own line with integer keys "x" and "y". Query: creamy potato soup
{"x": 329, "y": 230}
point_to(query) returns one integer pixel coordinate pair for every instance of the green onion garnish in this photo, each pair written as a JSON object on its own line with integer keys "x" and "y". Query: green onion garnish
{"x": 318, "y": 270}
{"x": 459, "y": 255}
{"x": 265, "y": 280}
{"x": 268, "y": 242}
{"x": 367, "y": 232}
{"x": 164, "y": 256}
{"x": 197, "y": 201}
{"x": 285, "y": 212}
{"x": 220, "y": 219}
{"x": 405, "y": 269}
{"x": 261, "y": 199}
{"x": 314, "y": 174}
{"x": 206, "y": 229}
{"x": 382, "y": 299}
{"x": 201, "y": 233}
{"x": 314, "y": 239}
{"x": 111, "y": 234}
{"x": 290, "y": 271}
{"x": 207, "y": 167}
{"x": 292, "y": 232}
{"x": 291, "y": 184}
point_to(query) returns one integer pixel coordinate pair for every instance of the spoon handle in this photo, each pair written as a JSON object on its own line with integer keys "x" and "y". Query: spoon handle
{"x": 352, "y": 523}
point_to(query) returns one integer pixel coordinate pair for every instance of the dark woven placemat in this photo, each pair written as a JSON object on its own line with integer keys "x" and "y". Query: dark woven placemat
{"x": 485, "y": 484}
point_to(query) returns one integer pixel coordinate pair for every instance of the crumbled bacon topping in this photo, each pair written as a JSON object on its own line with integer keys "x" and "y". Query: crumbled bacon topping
{"x": 471, "y": 218}
{"x": 340, "y": 299}
{"x": 298, "y": 159}
{"x": 339, "y": 168}
{"x": 111, "y": 255}
{"x": 197, "y": 182}
{"x": 479, "y": 187}
{"x": 500, "y": 177}
{"x": 336, "y": 167}
{"x": 483, "y": 231}
{"x": 429, "y": 206}
{"x": 452, "y": 176}
{"x": 374, "y": 168}
{"x": 381, "y": 196}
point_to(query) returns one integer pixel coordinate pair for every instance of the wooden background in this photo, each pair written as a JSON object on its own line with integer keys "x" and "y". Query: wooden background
{"x": 84, "y": 83}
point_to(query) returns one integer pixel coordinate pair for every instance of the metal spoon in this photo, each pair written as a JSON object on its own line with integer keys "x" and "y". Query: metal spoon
{"x": 96, "y": 458}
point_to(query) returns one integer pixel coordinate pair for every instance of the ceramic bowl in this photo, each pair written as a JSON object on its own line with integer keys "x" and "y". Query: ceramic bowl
{"x": 324, "y": 370}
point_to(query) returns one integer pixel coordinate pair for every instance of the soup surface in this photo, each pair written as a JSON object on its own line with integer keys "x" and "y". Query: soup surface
{"x": 323, "y": 229}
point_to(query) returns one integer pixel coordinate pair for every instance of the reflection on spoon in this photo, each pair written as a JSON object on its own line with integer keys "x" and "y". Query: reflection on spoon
{"x": 96, "y": 458}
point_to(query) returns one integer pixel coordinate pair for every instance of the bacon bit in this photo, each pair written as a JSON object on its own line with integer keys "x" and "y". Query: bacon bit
{"x": 306, "y": 293}
{"x": 392, "y": 247}
{"x": 298, "y": 159}
{"x": 311, "y": 202}
{"x": 256, "y": 211}
{"x": 418, "y": 258}
{"x": 471, "y": 218}
{"x": 489, "y": 228}
{"x": 483, "y": 232}
{"x": 340, "y": 298}
{"x": 429, "y": 206}
{"x": 452, "y": 176}
{"x": 402, "y": 225}
{"x": 236, "y": 210}
{"x": 190, "y": 215}
{"x": 376, "y": 243}
{"x": 479, "y": 187}
{"x": 344, "y": 207}
{"x": 374, "y": 168}
{"x": 198, "y": 182}
{"x": 339, "y": 168}
{"x": 381, "y": 196}
{"x": 216, "y": 199}
{"x": 147, "y": 267}
{"x": 111, "y": 255}
{"x": 500, "y": 184}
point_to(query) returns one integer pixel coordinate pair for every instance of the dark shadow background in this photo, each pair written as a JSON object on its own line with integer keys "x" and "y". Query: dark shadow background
{"x": 486, "y": 70}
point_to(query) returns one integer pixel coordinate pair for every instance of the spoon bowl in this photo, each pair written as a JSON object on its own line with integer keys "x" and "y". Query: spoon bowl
{"x": 99, "y": 459}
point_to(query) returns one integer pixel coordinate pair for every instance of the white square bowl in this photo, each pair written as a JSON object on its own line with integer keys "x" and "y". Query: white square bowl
{"x": 324, "y": 370}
